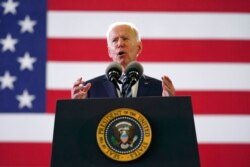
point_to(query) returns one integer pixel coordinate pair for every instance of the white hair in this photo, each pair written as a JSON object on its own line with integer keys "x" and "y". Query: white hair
{"x": 131, "y": 25}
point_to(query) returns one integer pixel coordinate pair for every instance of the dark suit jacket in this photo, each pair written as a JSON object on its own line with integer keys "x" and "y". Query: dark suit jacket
{"x": 102, "y": 87}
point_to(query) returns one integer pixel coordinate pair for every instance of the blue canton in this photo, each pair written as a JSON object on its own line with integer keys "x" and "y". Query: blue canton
{"x": 22, "y": 55}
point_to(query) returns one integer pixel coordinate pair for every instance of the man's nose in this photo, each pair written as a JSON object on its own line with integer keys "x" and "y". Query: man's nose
{"x": 120, "y": 42}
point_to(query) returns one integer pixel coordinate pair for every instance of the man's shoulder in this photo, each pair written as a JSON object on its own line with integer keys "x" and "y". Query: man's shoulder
{"x": 100, "y": 78}
{"x": 103, "y": 78}
{"x": 151, "y": 79}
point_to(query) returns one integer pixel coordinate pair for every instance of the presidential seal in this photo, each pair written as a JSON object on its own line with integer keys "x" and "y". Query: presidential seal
{"x": 124, "y": 134}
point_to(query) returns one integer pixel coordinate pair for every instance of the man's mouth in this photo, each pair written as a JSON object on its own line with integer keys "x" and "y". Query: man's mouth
{"x": 121, "y": 53}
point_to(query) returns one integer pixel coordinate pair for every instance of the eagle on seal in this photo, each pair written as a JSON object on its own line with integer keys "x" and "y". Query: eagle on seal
{"x": 124, "y": 133}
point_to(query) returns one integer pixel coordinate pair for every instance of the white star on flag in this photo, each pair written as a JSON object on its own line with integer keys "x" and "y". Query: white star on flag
{"x": 25, "y": 100}
{"x": 27, "y": 25}
{"x": 7, "y": 80}
{"x": 10, "y": 7}
{"x": 8, "y": 43}
{"x": 26, "y": 62}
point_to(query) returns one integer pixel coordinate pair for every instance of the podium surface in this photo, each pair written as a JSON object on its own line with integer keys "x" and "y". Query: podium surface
{"x": 173, "y": 144}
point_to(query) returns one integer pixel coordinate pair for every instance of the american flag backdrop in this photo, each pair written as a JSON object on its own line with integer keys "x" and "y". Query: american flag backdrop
{"x": 203, "y": 46}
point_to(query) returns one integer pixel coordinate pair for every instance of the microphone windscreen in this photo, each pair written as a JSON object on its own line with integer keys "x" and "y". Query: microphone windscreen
{"x": 134, "y": 66}
{"x": 113, "y": 67}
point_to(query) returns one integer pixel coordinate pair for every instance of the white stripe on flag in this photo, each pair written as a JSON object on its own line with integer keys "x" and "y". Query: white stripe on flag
{"x": 209, "y": 128}
{"x": 161, "y": 25}
{"x": 26, "y": 127}
{"x": 186, "y": 76}
{"x": 223, "y": 128}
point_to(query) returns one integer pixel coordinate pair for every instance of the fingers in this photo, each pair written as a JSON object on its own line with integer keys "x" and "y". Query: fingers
{"x": 79, "y": 90}
{"x": 167, "y": 86}
{"x": 76, "y": 88}
{"x": 86, "y": 87}
{"x": 78, "y": 82}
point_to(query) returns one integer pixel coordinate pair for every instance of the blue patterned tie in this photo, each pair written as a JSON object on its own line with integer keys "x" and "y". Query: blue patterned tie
{"x": 126, "y": 88}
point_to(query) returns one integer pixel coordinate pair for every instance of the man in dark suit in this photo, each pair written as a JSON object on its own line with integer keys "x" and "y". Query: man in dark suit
{"x": 124, "y": 46}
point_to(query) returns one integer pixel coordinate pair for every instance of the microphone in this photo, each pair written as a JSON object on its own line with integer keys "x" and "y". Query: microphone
{"x": 113, "y": 73}
{"x": 133, "y": 72}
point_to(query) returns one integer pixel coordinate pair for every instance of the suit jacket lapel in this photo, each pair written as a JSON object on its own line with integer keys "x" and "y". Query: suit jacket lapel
{"x": 109, "y": 88}
{"x": 143, "y": 89}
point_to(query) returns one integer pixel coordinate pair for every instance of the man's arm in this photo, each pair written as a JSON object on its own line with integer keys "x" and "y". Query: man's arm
{"x": 167, "y": 86}
{"x": 79, "y": 90}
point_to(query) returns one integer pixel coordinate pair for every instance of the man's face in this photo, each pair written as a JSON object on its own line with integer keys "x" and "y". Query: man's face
{"x": 123, "y": 46}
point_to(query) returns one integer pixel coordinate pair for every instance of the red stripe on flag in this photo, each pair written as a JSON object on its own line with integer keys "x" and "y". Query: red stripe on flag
{"x": 217, "y": 102}
{"x": 224, "y": 155}
{"x": 77, "y": 50}
{"x": 204, "y": 102}
{"x": 25, "y": 154}
{"x": 153, "y": 50}
{"x": 38, "y": 154}
{"x": 152, "y": 5}
{"x": 53, "y": 96}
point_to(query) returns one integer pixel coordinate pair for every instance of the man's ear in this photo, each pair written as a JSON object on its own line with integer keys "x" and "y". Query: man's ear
{"x": 139, "y": 48}
{"x": 109, "y": 52}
